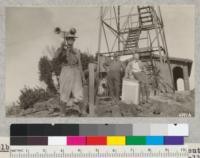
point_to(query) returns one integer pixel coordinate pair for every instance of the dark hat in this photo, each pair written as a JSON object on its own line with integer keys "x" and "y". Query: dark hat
{"x": 71, "y": 33}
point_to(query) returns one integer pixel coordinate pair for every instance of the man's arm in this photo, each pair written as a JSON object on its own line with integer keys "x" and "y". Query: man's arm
{"x": 142, "y": 66}
{"x": 80, "y": 65}
{"x": 127, "y": 70}
{"x": 106, "y": 64}
{"x": 123, "y": 66}
{"x": 59, "y": 50}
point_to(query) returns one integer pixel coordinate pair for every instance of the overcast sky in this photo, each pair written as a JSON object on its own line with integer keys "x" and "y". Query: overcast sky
{"x": 29, "y": 30}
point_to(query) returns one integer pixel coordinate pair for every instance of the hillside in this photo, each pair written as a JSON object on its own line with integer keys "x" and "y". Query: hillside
{"x": 180, "y": 104}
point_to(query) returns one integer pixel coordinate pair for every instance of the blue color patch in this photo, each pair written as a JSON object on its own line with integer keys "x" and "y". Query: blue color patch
{"x": 154, "y": 140}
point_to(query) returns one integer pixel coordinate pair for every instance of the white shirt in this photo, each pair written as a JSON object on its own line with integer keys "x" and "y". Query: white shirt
{"x": 135, "y": 67}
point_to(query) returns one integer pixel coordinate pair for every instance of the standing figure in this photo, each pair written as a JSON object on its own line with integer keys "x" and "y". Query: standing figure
{"x": 114, "y": 75}
{"x": 71, "y": 76}
{"x": 136, "y": 70}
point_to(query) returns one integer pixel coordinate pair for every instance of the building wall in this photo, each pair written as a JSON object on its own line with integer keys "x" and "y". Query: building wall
{"x": 178, "y": 70}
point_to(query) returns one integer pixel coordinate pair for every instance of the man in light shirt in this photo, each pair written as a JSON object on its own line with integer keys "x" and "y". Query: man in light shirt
{"x": 136, "y": 70}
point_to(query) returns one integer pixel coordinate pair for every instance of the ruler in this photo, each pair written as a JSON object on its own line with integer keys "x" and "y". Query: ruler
{"x": 99, "y": 151}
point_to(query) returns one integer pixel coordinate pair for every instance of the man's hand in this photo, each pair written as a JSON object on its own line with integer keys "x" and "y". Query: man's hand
{"x": 63, "y": 44}
{"x": 126, "y": 76}
{"x": 84, "y": 81}
{"x": 83, "y": 78}
{"x": 60, "y": 49}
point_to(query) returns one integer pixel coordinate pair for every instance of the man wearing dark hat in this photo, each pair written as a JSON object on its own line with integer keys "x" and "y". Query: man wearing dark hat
{"x": 114, "y": 75}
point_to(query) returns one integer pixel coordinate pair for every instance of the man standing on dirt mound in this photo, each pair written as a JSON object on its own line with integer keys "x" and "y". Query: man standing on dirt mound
{"x": 114, "y": 75}
{"x": 71, "y": 76}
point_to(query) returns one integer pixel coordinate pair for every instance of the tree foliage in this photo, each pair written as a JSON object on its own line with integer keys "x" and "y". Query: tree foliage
{"x": 86, "y": 59}
{"x": 46, "y": 70}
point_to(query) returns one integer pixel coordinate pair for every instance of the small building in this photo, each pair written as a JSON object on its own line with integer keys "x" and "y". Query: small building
{"x": 180, "y": 69}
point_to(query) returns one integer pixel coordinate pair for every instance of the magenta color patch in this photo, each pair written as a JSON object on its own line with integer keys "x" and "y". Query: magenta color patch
{"x": 76, "y": 140}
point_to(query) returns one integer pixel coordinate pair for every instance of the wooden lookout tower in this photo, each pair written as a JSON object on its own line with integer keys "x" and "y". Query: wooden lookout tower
{"x": 139, "y": 30}
{"x": 124, "y": 31}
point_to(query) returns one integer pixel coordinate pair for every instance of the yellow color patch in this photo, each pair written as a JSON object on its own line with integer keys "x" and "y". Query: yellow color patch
{"x": 116, "y": 140}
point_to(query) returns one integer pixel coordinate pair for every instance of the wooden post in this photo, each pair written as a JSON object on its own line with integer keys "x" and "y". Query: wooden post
{"x": 118, "y": 27}
{"x": 186, "y": 78}
{"x": 100, "y": 29}
{"x": 163, "y": 38}
{"x": 155, "y": 23}
{"x": 91, "y": 89}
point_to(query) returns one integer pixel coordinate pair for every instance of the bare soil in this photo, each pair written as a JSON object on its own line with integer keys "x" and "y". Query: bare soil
{"x": 178, "y": 104}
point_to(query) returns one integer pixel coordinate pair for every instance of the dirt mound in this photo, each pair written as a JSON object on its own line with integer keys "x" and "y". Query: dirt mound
{"x": 178, "y": 104}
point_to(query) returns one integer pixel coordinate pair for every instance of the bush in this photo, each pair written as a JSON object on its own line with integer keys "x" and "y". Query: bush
{"x": 45, "y": 69}
{"x": 29, "y": 96}
{"x": 86, "y": 59}
{"x": 56, "y": 66}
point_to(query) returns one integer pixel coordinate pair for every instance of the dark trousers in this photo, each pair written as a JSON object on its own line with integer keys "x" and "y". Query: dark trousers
{"x": 144, "y": 86}
{"x": 114, "y": 84}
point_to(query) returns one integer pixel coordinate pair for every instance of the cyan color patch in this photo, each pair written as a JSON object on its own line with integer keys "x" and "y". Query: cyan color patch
{"x": 154, "y": 140}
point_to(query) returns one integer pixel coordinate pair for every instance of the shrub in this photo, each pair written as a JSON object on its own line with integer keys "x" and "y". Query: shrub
{"x": 86, "y": 59}
{"x": 29, "y": 96}
{"x": 56, "y": 66}
{"x": 45, "y": 68}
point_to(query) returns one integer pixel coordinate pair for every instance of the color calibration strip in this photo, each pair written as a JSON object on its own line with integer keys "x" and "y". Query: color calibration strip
{"x": 99, "y": 129}
{"x": 99, "y": 140}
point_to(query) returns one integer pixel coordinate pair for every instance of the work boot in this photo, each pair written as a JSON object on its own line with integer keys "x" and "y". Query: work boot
{"x": 82, "y": 107}
{"x": 71, "y": 107}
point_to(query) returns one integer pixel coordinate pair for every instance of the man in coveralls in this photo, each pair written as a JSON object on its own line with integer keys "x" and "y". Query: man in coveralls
{"x": 114, "y": 75}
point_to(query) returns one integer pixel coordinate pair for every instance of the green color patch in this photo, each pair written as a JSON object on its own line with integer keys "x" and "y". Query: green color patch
{"x": 135, "y": 140}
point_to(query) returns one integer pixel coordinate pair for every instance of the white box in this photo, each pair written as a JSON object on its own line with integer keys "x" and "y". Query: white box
{"x": 130, "y": 91}
{"x": 57, "y": 140}
{"x": 178, "y": 129}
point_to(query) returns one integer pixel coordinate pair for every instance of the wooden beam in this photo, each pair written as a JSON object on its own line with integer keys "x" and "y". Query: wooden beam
{"x": 111, "y": 28}
{"x": 92, "y": 89}
{"x": 105, "y": 36}
{"x": 100, "y": 29}
{"x": 118, "y": 27}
